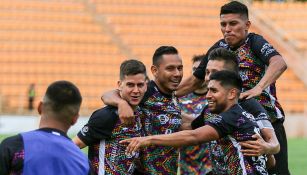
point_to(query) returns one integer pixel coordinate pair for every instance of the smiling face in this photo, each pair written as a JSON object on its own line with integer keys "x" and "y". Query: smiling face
{"x": 132, "y": 88}
{"x": 168, "y": 73}
{"x": 234, "y": 28}
{"x": 217, "y": 97}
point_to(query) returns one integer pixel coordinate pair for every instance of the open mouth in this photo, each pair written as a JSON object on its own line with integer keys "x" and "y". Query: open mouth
{"x": 176, "y": 83}
{"x": 210, "y": 103}
{"x": 135, "y": 98}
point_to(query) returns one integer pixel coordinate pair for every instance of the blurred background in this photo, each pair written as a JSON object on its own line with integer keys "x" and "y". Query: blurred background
{"x": 84, "y": 41}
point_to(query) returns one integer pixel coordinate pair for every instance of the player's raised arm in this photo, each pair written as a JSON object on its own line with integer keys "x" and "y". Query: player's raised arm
{"x": 188, "y": 85}
{"x": 276, "y": 67}
{"x": 125, "y": 112}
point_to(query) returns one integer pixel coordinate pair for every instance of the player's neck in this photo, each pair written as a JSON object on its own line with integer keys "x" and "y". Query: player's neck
{"x": 46, "y": 122}
{"x": 229, "y": 105}
{"x": 161, "y": 89}
{"x": 201, "y": 91}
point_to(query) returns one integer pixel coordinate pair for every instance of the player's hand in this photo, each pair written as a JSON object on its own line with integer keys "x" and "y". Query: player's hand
{"x": 135, "y": 144}
{"x": 256, "y": 91}
{"x": 186, "y": 120}
{"x": 254, "y": 147}
{"x": 125, "y": 113}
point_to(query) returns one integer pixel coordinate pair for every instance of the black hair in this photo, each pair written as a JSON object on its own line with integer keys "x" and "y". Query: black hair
{"x": 198, "y": 58}
{"x": 229, "y": 57}
{"x": 131, "y": 67}
{"x": 228, "y": 79}
{"x": 162, "y": 51}
{"x": 236, "y": 8}
{"x": 60, "y": 95}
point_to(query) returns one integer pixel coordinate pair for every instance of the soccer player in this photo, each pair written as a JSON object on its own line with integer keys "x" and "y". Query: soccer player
{"x": 194, "y": 159}
{"x": 222, "y": 59}
{"x": 232, "y": 124}
{"x": 48, "y": 150}
{"x": 260, "y": 65}
{"x": 161, "y": 112}
{"x": 104, "y": 129}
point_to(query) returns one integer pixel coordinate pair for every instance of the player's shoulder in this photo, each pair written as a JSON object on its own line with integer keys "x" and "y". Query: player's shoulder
{"x": 254, "y": 37}
{"x": 11, "y": 141}
{"x": 106, "y": 111}
{"x": 234, "y": 112}
{"x": 220, "y": 44}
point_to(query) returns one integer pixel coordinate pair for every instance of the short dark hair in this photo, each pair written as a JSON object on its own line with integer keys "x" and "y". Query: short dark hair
{"x": 236, "y": 8}
{"x": 161, "y": 51}
{"x": 198, "y": 58}
{"x": 131, "y": 67}
{"x": 64, "y": 98}
{"x": 229, "y": 57}
{"x": 228, "y": 79}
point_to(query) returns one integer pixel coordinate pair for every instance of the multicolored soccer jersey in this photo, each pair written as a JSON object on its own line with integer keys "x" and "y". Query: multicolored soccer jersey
{"x": 161, "y": 115}
{"x": 254, "y": 56}
{"x": 102, "y": 134}
{"x": 217, "y": 153}
{"x": 19, "y": 154}
{"x": 194, "y": 159}
{"x": 233, "y": 126}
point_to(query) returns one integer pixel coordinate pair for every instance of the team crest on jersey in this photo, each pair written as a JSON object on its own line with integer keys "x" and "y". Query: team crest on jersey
{"x": 84, "y": 130}
{"x": 163, "y": 118}
{"x": 248, "y": 115}
{"x": 222, "y": 44}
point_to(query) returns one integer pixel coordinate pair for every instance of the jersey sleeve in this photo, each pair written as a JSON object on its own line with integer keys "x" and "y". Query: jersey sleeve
{"x": 99, "y": 126}
{"x": 253, "y": 107}
{"x": 8, "y": 148}
{"x": 223, "y": 125}
{"x": 201, "y": 69}
{"x": 198, "y": 122}
{"x": 263, "y": 49}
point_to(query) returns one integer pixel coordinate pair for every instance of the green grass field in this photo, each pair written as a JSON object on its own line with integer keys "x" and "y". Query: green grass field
{"x": 297, "y": 154}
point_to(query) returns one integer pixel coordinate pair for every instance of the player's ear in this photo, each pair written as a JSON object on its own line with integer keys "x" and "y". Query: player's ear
{"x": 119, "y": 83}
{"x": 154, "y": 70}
{"x": 232, "y": 93}
{"x": 74, "y": 119}
{"x": 247, "y": 25}
{"x": 39, "y": 108}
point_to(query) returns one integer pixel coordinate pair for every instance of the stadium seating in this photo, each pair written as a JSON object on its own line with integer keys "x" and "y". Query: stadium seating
{"x": 288, "y": 20}
{"x": 85, "y": 42}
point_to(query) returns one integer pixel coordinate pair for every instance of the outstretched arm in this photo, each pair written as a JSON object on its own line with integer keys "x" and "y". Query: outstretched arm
{"x": 125, "y": 112}
{"x": 188, "y": 85}
{"x": 178, "y": 139}
{"x": 276, "y": 67}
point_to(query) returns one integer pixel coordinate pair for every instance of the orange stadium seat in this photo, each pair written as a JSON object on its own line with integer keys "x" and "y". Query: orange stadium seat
{"x": 44, "y": 41}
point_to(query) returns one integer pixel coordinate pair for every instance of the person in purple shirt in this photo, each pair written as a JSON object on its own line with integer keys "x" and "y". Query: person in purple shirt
{"x": 48, "y": 150}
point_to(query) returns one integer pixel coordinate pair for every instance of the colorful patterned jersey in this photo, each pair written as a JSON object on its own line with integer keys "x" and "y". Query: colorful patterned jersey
{"x": 254, "y": 55}
{"x": 194, "y": 159}
{"x": 233, "y": 126}
{"x": 102, "y": 134}
{"x": 161, "y": 115}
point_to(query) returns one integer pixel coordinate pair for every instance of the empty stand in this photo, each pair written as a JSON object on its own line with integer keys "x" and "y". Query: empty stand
{"x": 44, "y": 41}
{"x": 85, "y": 42}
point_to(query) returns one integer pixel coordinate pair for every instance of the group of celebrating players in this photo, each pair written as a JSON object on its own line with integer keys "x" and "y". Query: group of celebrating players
{"x": 223, "y": 119}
